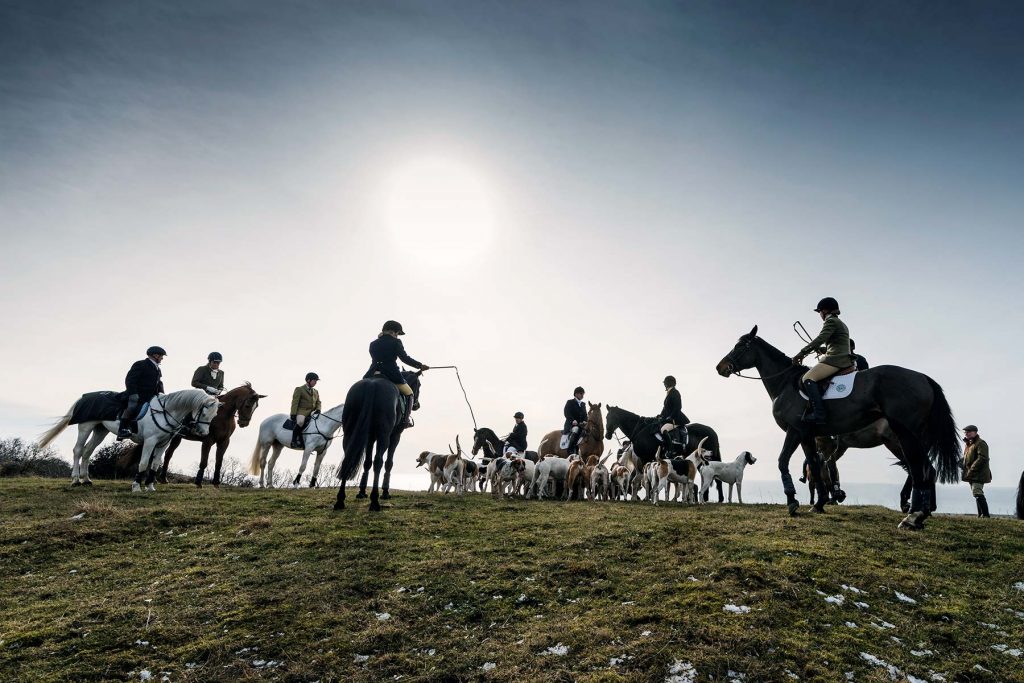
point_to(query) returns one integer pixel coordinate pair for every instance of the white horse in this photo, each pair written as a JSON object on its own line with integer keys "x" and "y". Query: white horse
{"x": 317, "y": 434}
{"x": 168, "y": 415}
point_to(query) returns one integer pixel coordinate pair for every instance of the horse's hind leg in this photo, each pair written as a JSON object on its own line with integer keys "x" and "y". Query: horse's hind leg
{"x": 385, "y": 493}
{"x": 367, "y": 463}
{"x": 793, "y": 438}
{"x": 222, "y": 447}
{"x": 204, "y": 460}
{"x": 378, "y": 463}
{"x": 276, "y": 448}
{"x": 917, "y": 466}
{"x": 98, "y": 434}
{"x": 162, "y": 478}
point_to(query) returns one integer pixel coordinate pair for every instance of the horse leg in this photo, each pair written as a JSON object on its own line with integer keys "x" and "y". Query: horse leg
{"x": 385, "y": 492}
{"x": 917, "y": 465}
{"x": 222, "y": 447}
{"x": 162, "y": 478}
{"x": 378, "y": 463}
{"x": 367, "y": 463}
{"x": 204, "y": 460}
{"x": 908, "y": 487}
{"x": 302, "y": 466}
{"x": 98, "y": 434}
{"x": 789, "y": 446}
{"x": 154, "y": 466}
{"x": 83, "y": 436}
{"x": 273, "y": 461}
{"x": 809, "y": 475}
{"x": 147, "y": 454}
{"x": 316, "y": 464}
{"x": 339, "y": 503}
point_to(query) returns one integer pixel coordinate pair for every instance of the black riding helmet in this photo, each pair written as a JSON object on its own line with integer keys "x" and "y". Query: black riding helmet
{"x": 578, "y": 390}
{"x": 312, "y": 375}
{"x": 215, "y": 356}
{"x": 155, "y": 350}
{"x": 670, "y": 381}
{"x": 827, "y": 304}
{"x": 393, "y": 326}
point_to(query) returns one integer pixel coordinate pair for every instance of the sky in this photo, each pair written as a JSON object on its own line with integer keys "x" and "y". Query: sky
{"x": 544, "y": 194}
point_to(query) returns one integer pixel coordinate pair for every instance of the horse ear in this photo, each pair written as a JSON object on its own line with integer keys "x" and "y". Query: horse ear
{"x": 753, "y": 332}
{"x": 598, "y": 406}
{"x": 261, "y": 395}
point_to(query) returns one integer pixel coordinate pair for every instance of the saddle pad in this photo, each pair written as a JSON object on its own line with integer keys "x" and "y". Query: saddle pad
{"x": 838, "y": 387}
{"x": 97, "y": 406}
{"x": 563, "y": 443}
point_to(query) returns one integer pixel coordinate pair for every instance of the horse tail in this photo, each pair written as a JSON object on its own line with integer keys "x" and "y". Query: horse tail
{"x": 357, "y": 435}
{"x": 53, "y": 432}
{"x": 943, "y": 442}
{"x": 257, "y": 456}
{"x": 1020, "y": 497}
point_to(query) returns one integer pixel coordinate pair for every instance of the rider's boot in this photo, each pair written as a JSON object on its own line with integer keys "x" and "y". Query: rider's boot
{"x": 297, "y": 436}
{"x": 817, "y": 413}
{"x": 410, "y": 403}
{"x": 124, "y": 431}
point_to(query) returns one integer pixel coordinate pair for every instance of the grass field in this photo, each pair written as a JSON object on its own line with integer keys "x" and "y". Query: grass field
{"x": 239, "y": 584}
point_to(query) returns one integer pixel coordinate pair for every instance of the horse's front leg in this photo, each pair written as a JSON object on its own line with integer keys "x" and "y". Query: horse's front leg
{"x": 302, "y": 465}
{"x": 789, "y": 446}
{"x": 316, "y": 464}
{"x": 204, "y": 460}
{"x": 378, "y": 463}
{"x": 385, "y": 493}
{"x": 144, "y": 459}
{"x": 155, "y": 460}
{"x": 222, "y": 447}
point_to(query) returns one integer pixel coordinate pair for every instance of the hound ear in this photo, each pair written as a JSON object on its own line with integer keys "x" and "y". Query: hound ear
{"x": 753, "y": 332}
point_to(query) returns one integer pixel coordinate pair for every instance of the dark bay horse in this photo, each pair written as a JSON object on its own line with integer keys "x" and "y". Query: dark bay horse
{"x": 590, "y": 442}
{"x": 487, "y": 440}
{"x": 240, "y": 401}
{"x": 641, "y": 431}
{"x": 878, "y": 433}
{"x": 913, "y": 403}
{"x": 372, "y": 417}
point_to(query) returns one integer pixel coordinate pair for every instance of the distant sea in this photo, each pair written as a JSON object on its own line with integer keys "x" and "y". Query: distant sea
{"x": 952, "y": 499}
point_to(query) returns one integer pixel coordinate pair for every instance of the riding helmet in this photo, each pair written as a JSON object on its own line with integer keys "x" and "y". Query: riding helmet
{"x": 670, "y": 381}
{"x": 827, "y": 304}
{"x": 393, "y": 326}
{"x": 155, "y": 350}
{"x": 215, "y": 356}
{"x": 519, "y": 415}
{"x": 578, "y": 390}
{"x": 312, "y": 375}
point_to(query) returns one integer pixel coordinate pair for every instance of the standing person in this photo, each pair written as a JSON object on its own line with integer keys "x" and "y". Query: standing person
{"x": 305, "y": 402}
{"x": 516, "y": 441}
{"x": 385, "y": 351}
{"x": 859, "y": 360}
{"x": 671, "y": 415}
{"x": 834, "y": 339}
{"x": 209, "y": 377}
{"x": 143, "y": 381}
{"x": 575, "y": 413}
{"x": 976, "y": 467}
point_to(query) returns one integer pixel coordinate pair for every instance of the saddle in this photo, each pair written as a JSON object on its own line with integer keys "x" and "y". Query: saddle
{"x": 103, "y": 406}
{"x": 839, "y": 385}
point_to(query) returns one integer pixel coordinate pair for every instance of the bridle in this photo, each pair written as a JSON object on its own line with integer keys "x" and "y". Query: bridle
{"x": 190, "y": 422}
{"x": 733, "y": 363}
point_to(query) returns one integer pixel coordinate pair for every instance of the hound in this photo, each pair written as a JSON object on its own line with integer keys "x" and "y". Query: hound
{"x": 500, "y": 474}
{"x": 600, "y": 483}
{"x": 619, "y": 476}
{"x": 454, "y": 472}
{"x": 550, "y": 468}
{"x": 526, "y": 472}
{"x": 472, "y": 475}
{"x": 435, "y": 466}
{"x": 634, "y": 479}
{"x": 729, "y": 472}
{"x": 679, "y": 471}
{"x": 576, "y": 480}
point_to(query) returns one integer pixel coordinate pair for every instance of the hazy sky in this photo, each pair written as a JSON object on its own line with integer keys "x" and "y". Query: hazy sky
{"x": 649, "y": 181}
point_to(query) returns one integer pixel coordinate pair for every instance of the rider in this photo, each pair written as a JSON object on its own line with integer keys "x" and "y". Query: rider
{"x": 385, "y": 351}
{"x": 834, "y": 342}
{"x": 859, "y": 360}
{"x": 516, "y": 441}
{"x": 142, "y": 383}
{"x": 209, "y": 377}
{"x": 305, "y": 402}
{"x": 671, "y": 415}
{"x": 575, "y": 413}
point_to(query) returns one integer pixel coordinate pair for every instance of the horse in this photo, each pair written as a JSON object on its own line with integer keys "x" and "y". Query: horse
{"x": 590, "y": 442}
{"x": 167, "y": 415}
{"x": 641, "y": 430}
{"x": 242, "y": 400}
{"x": 317, "y": 435}
{"x": 372, "y": 417}
{"x": 878, "y": 433}
{"x": 485, "y": 438}
{"x": 913, "y": 403}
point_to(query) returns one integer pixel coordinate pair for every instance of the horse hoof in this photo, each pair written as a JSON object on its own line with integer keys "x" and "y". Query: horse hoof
{"x": 361, "y": 494}
{"x": 385, "y": 495}
{"x": 216, "y": 484}
{"x": 819, "y": 509}
{"x": 162, "y": 480}
{"x": 76, "y": 483}
{"x": 840, "y": 496}
{"x": 199, "y": 484}
{"x": 87, "y": 482}
{"x": 135, "y": 487}
{"x": 151, "y": 488}
{"x": 375, "y": 507}
{"x": 339, "y": 506}
{"x": 912, "y": 522}
{"x": 312, "y": 483}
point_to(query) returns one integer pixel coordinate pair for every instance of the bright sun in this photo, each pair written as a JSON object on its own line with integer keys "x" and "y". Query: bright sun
{"x": 440, "y": 209}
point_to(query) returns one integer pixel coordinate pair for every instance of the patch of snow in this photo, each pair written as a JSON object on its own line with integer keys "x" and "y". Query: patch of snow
{"x": 1014, "y": 652}
{"x": 1019, "y": 585}
{"x": 849, "y": 675}
{"x": 862, "y": 605}
{"x": 449, "y": 606}
{"x": 792, "y": 675}
{"x": 73, "y": 571}
{"x": 894, "y": 673}
{"x": 979, "y": 667}
{"x": 145, "y": 675}
{"x": 836, "y": 599}
{"x": 991, "y": 626}
{"x": 614, "y": 661}
{"x": 80, "y": 515}
{"x": 736, "y": 609}
{"x": 735, "y": 676}
{"x": 557, "y": 650}
{"x": 853, "y": 589}
{"x": 431, "y": 652}
{"x": 401, "y": 589}
{"x": 360, "y": 659}
{"x": 1000, "y": 647}
{"x": 681, "y": 672}
{"x": 645, "y": 634}
{"x": 938, "y": 678}
{"x": 382, "y": 616}
{"x": 495, "y": 597}
{"x": 522, "y": 598}
{"x": 259, "y": 662}
{"x": 883, "y": 624}
{"x": 922, "y": 653}
{"x": 488, "y": 666}
{"x": 915, "y": 679}
{"x": 142, "y": 642}
{"x": 851, "y": 624}
{"x": 905, "y": 598}
{"x": 629, "y": 602}
{"x": 691, "y": 578}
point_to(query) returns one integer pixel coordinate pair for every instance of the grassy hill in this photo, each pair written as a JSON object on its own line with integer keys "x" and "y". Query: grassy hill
{"x": 240, "y": 584}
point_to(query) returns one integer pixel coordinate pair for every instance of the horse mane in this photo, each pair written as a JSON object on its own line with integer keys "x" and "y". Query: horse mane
{"x": 775, "y": 353}
{"x": 189, "y": 399}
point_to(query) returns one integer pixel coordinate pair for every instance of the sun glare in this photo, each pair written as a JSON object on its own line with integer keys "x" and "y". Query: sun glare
{"x": 439, "y": 209}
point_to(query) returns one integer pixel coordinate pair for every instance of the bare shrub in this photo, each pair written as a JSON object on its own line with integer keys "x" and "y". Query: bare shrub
{"x": 21, "y": 459}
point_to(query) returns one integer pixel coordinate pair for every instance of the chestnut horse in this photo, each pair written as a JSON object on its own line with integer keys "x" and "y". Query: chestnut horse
{"x": 591, "y": 439}
{"x": 242, "y": 401}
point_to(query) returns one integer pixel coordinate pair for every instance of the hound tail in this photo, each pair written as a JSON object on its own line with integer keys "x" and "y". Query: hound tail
{"x": 47, "y": 437}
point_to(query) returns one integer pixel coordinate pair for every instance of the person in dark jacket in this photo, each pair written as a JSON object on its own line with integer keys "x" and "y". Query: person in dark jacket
{"x": 861, "y": 361}
{"x": 209, "y": 377}
{"x": 385, "y": 352}
{"x": 575, "y": 413}
{"x": 142, "y": 383}
{"x": 516, "y": 441}
{"x": 671, "y": 415}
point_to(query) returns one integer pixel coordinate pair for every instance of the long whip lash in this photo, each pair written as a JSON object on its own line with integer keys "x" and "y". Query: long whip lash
{"x": 464, "y": 394}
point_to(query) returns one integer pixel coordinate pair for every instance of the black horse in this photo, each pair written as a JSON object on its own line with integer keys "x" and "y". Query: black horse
{"x": 486, "y": 439}
{"x": 641, "y": 430}
{"x": 913, "y": 403}
{"x": 372, "y": 416}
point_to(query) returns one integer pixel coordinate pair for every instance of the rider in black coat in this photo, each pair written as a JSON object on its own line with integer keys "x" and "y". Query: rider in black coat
{"x": 385, "y": 351}
{"x": 517, "y": 439}
{"x": 575, "y": 413}
{"x": 142, "y": 383}
{"x": 671, "y": 415}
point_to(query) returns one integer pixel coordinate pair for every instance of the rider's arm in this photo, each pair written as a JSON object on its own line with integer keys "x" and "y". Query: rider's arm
{"x": 316, "y": 408}
{"x": 826, "y": 333}
{"x": 406, "y": 358}
{"x": 296, "y": 395}
{"x": 196, "y": 376}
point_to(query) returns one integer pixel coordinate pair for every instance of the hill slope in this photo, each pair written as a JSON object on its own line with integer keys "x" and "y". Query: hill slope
{"x": 244, "y": 584}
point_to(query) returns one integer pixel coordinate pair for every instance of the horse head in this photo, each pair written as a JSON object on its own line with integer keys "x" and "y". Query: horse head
{"x": 249, "y": 402}
{"x": 611, "y": 425}
{"x": 207, "y": 411}
{"x": 413, "y": 380}
{"x": 742, "y": 356}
